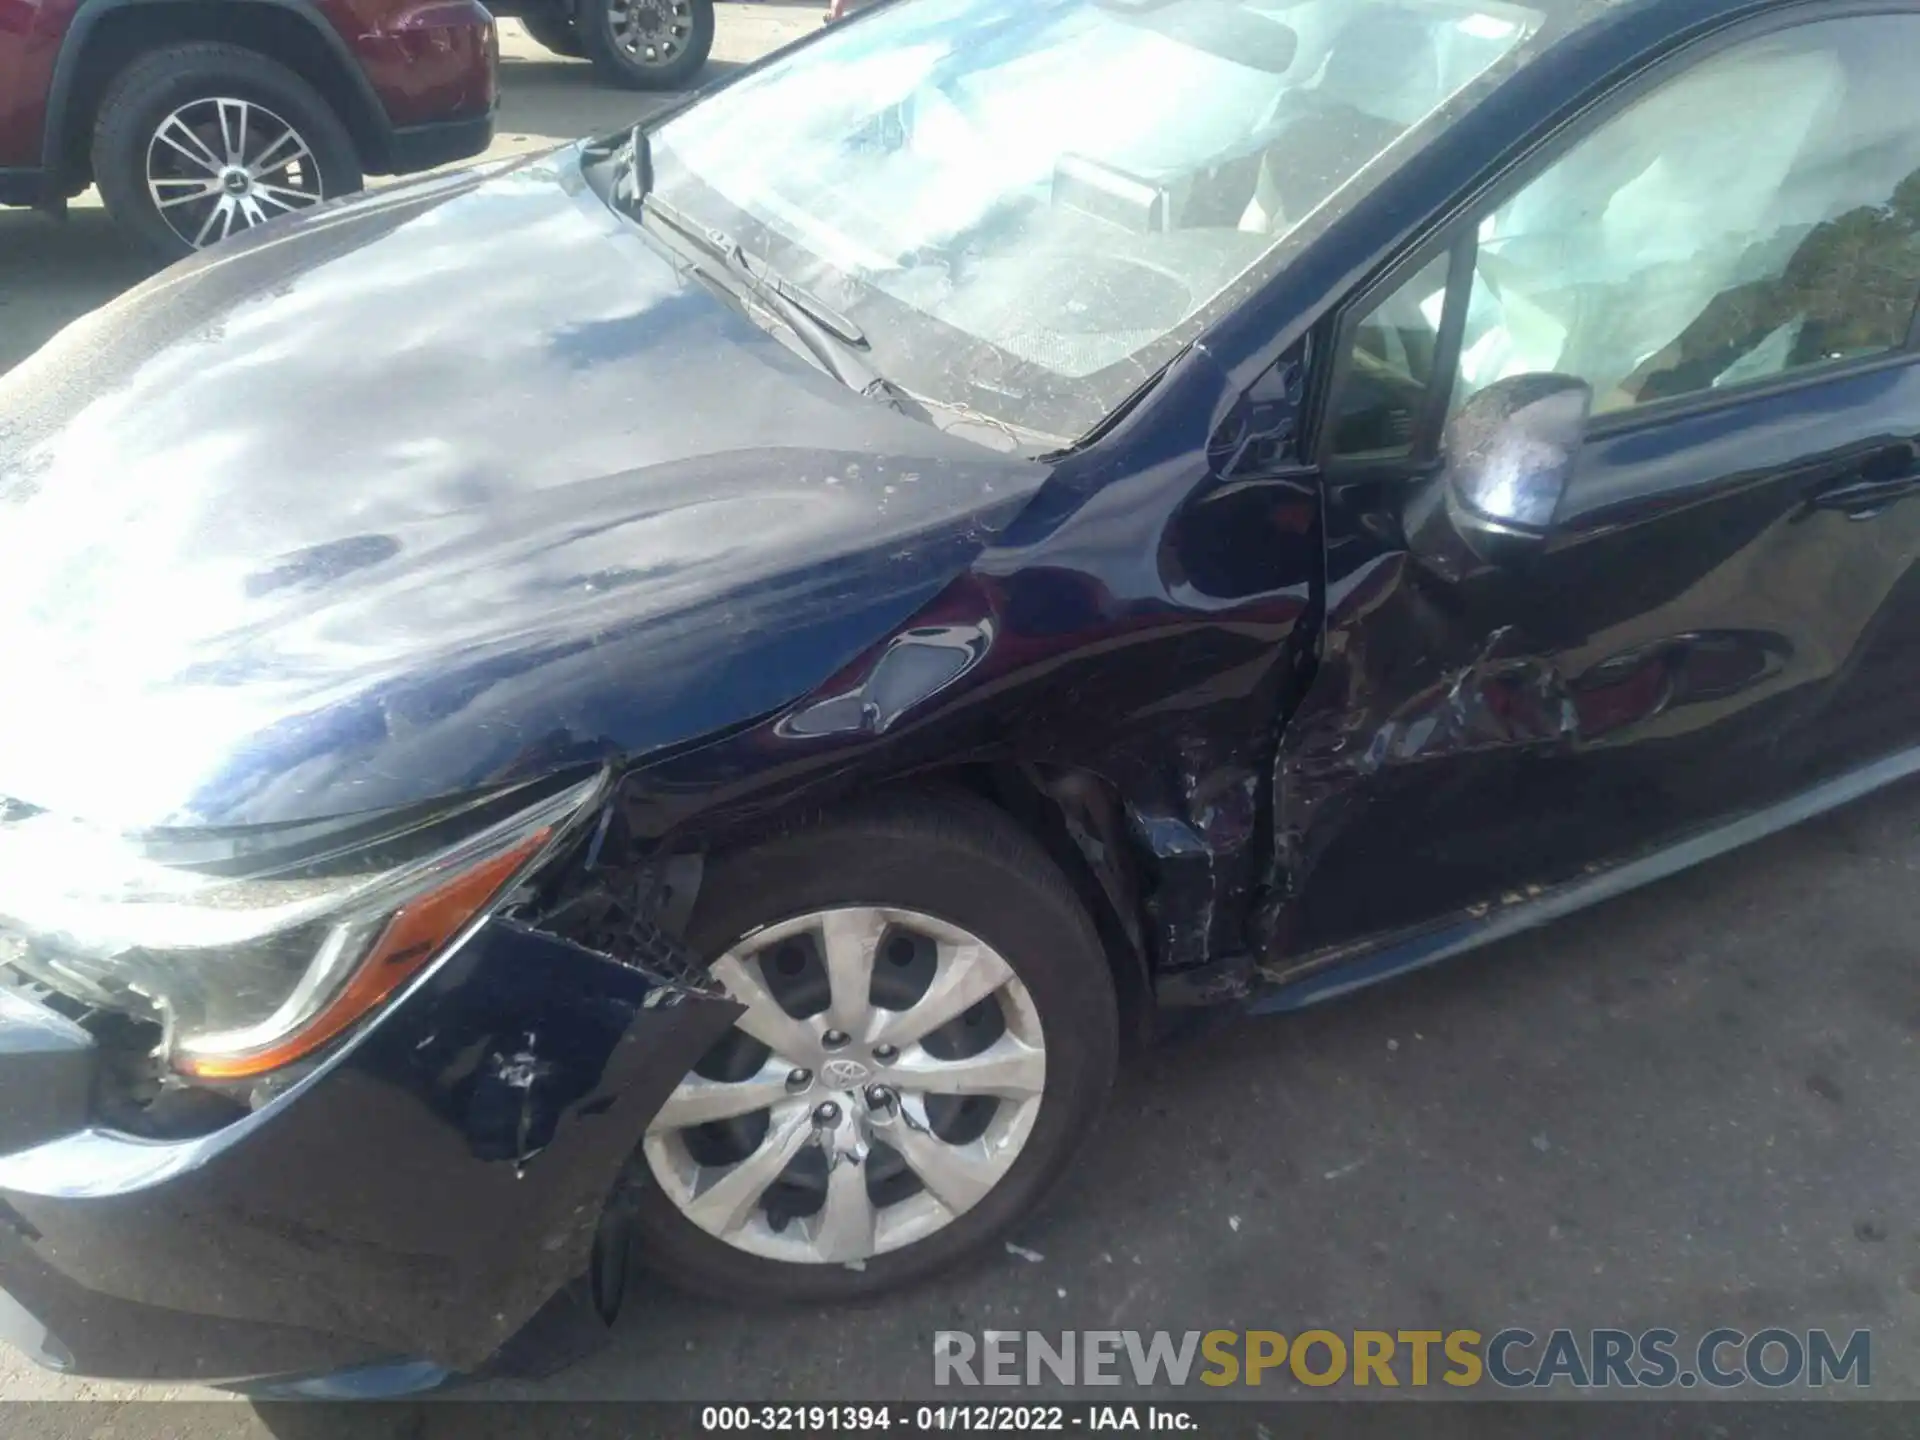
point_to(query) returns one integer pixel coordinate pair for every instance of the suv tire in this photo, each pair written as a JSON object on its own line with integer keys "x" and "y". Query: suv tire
{"x": 552, "y": 28}
{"x": 616, "y": 37}
{"x": 184, "y": 87}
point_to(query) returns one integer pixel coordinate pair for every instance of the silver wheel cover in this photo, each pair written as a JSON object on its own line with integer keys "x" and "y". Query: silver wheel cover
{"x": 220, "y": 165}
{"x": 855, "y": 1083}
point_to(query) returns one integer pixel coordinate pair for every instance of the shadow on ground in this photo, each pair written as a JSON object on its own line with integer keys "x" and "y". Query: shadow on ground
{"x": 53, "y": 271}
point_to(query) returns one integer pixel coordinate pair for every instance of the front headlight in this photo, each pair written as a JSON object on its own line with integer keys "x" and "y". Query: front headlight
{"x": 248, "y": 972}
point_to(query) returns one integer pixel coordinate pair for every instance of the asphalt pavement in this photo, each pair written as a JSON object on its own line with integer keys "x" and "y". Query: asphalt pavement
{"x": 1693, "y": 1107}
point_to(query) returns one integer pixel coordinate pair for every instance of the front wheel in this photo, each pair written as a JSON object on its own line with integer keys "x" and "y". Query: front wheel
{"x": 646, "y": 44}
{"x": 929, "y": 1033}
{"x": 194, "y": 143}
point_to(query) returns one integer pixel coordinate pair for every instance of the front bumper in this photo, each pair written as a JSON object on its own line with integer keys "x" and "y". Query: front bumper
{"x": 422, "y": 1194}
{"x": 421, "y": 147}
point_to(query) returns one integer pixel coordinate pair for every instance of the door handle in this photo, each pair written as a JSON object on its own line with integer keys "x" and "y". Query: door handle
{"x": 1884, "y": 477}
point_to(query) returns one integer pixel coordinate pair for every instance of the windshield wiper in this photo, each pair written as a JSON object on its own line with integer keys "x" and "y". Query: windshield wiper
{"x": 839, "y": 345}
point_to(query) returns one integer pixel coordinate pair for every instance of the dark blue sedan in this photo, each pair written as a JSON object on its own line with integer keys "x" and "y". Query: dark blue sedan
{"x": 700, "y": 692}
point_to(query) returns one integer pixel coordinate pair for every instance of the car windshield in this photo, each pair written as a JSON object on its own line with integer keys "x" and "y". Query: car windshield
{"x": 1029, "y": 205}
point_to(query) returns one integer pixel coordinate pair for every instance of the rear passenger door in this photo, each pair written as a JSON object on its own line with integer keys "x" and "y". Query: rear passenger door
{"x": 1730, "y": 610}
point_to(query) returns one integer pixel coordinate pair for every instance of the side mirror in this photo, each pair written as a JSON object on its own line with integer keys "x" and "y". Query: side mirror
{"x": 1506, "y": 460}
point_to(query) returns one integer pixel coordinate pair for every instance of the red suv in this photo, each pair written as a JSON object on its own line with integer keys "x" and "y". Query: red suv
{"x": 201, "y": 118}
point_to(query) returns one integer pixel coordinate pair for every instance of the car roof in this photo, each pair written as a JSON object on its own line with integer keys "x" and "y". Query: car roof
{"x": 1566, "y": 18}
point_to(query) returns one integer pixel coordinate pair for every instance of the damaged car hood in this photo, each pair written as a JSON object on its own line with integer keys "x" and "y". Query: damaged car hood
{"x": 456, "y": 484}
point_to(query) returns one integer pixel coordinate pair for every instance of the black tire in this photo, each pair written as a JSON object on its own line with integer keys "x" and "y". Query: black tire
{"x": 553, "y": 30}
{"x": 159, "y": 83}
{"x": 595, "y": 23}
{"x": 960, "y": 860}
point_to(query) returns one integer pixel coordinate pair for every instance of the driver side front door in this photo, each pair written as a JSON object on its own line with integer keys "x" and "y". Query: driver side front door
{"x": 1729, "y": 255}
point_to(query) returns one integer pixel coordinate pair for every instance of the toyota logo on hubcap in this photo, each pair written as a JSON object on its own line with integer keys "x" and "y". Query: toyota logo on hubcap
{"x": 843, "y": 1073}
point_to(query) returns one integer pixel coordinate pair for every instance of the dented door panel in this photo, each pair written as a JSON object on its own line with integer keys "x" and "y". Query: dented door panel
{"x": 1681, "y": 654}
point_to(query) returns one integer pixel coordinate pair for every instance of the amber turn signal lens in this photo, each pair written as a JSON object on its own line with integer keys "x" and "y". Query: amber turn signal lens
{"x": 418, "y": 931}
